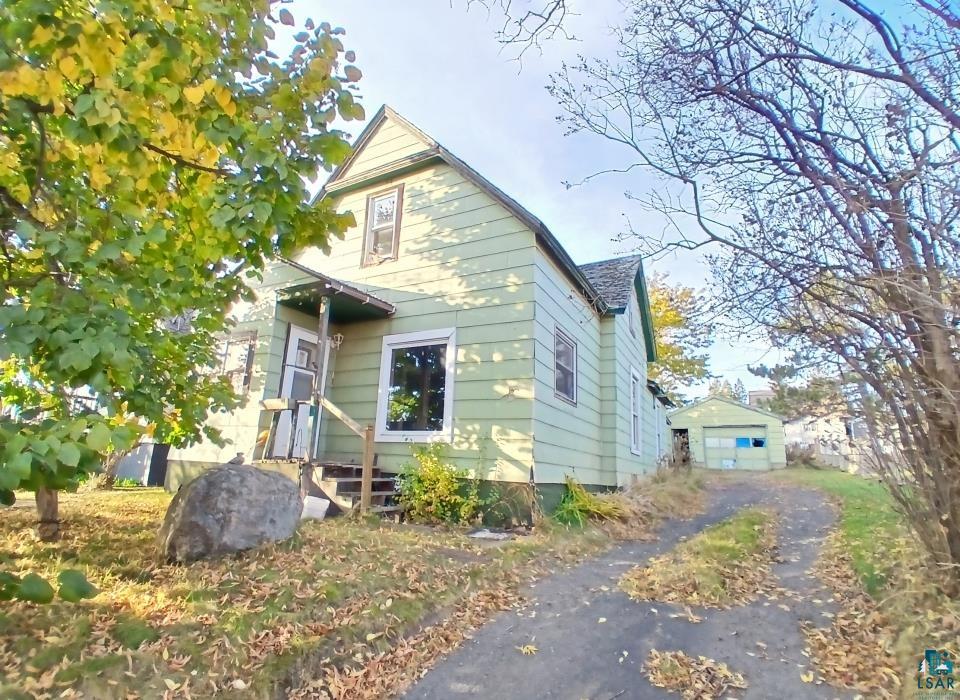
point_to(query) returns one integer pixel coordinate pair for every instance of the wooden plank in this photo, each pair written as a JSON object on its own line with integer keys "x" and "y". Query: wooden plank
{"x": 323, "y": 328}
{"x": 366, "y": 486}
{"x": 344, "y": 418}
{"x": 278, "y": 404}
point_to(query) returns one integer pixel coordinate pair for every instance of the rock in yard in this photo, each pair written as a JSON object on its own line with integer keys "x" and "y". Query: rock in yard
{"x": 228, "y": 509}
{"x": 486, "y": 534}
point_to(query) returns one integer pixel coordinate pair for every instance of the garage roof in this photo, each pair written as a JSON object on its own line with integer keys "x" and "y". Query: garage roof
{"x": 724, "y": 399}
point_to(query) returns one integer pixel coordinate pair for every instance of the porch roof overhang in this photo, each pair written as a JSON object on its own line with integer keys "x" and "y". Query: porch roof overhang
{"x": 347, "y": 304}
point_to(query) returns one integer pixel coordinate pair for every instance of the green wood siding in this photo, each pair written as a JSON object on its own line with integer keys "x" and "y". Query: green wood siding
{"x": 390, "y": 142}
{"x": 463, "y": 262}
{"x": 631, "y": 354}
{"x": 724, "y": 419}
{"x": 568, "y": 437}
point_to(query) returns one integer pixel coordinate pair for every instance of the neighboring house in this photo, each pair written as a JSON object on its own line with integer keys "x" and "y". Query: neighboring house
{"x": 759, "y": 397}
{"x": 836, "y": 440}
{"x": 725, "y": 434}
{"x": 454, "y": 316}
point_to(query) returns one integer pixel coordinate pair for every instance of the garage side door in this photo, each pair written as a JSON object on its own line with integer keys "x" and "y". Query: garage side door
{"x": 736, "y": 447}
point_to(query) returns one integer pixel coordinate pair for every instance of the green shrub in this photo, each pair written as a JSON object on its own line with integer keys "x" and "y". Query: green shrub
{"x": 578, "y": 505}
{"x": 433, "y": 490}
{"x": 126, "y": 482}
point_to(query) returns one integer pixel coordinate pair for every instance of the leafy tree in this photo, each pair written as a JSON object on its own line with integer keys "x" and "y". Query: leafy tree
{"x": 154, "y": 155}
{"x": 816, "y": 149}
{"x": 797, "y": 393}
{"x": 681, "y": 333}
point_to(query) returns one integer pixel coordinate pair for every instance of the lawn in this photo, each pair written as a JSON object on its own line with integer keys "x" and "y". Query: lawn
{"x": 725, "y": 564}
{"x": 353, "y": 609}
{"x": 868, "y": 522}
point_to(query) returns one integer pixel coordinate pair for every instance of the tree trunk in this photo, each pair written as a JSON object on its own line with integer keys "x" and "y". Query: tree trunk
{"x": 48, "y": 514}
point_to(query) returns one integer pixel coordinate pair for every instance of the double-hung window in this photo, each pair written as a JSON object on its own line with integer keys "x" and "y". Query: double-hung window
{"x": 565, "y": 366}
{"x": 382, "y": 236}
{"x": 636, "y": 397}
{"x": 415, "y": 399}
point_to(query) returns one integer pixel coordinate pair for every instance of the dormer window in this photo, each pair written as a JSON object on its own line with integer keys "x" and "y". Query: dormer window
{"x": 383, "y": 226}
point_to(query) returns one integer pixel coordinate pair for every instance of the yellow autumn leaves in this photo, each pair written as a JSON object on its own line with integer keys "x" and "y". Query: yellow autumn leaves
{"x": 195, "y": 94}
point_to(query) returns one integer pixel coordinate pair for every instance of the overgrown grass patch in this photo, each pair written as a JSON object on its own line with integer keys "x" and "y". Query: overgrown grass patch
{"x": 636, "y": 511}
{"x": 723, "y": 565}
{"x": 342, "y": 600}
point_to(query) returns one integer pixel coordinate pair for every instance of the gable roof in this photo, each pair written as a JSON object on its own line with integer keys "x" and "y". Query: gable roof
{"x": 615, "y": 279}
{"x": 724, "y": 399}
{"x": 341, "y": 181}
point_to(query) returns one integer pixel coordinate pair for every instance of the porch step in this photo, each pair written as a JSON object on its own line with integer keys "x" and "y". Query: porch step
{"x": 356, "y": 479}
{"x": 393, "y": 508}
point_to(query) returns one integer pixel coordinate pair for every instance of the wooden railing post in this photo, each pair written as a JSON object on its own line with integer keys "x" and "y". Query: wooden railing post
{"x": 366, "y": 484}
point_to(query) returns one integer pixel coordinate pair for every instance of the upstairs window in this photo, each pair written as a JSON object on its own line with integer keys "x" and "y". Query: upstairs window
{"x": 383, "y": 226}
{"x": 632, "y": 319}
{"x": 565, "y": 367}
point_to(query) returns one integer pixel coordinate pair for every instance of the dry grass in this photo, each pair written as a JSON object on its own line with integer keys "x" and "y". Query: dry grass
{"x": 694, "y": 678}
{"x": 648, "y": 502}
{"x": 579, "y": 507}
{"x": 725, "y": 564}
{"x": 341, "y": 607}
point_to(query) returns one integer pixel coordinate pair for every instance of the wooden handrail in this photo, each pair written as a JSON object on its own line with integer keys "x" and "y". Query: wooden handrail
{"x": 344, "y": 418}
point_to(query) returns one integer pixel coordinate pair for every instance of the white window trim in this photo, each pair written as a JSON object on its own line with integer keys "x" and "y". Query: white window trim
{"x": 407, "y": 340}
{"x": 631, "y": 318}
{"x": 373, "y": 207}
{"x": 636, "y": 409}
{"x": 559, "y": 333}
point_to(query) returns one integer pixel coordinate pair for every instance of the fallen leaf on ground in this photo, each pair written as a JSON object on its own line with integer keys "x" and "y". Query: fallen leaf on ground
{"x": 694, "y": 678}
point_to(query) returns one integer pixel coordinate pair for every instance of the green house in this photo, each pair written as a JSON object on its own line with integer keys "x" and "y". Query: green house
{"x": 725, "y": 434}
{"x": 452, "y": 314}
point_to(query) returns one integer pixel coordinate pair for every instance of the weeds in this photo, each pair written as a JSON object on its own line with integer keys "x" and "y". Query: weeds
{"x": 578, "y": 506}
{"x": 434, "y": 491}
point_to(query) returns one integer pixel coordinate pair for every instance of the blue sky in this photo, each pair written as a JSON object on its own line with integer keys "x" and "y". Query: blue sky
{"x": 438, "y": 63}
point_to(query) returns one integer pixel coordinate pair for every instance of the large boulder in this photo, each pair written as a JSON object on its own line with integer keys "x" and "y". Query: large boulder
{"x": 228, "y": 509}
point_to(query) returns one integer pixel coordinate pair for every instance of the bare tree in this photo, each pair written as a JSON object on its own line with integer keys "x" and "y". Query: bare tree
{"x": 527, "y": 23}
{"x": 816, "y": 150}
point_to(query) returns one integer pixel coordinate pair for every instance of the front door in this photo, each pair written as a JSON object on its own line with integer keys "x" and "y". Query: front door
{"x": 299, "y": 370}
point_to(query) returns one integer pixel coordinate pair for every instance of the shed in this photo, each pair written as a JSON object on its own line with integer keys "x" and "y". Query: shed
{"x": 726, "y": 434}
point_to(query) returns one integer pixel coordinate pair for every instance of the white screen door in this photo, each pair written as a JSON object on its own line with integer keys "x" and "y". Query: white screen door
{"x": 299, "y": 369}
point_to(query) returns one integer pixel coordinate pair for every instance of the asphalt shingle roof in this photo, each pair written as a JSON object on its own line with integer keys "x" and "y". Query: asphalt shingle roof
{"x": 613, "y": 278}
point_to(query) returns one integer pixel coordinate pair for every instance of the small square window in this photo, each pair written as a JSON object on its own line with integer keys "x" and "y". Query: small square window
{"x": 759, "y": 442}
{"x": 743, "y": 442}
{"x": 565, "y": 366}
{"x": 382, "y": 234}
